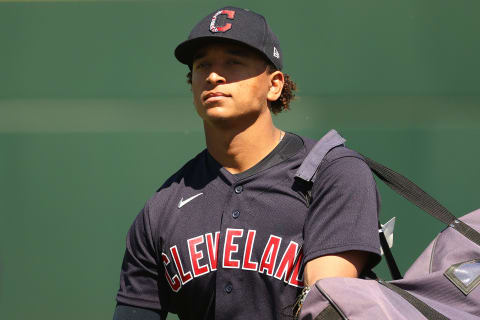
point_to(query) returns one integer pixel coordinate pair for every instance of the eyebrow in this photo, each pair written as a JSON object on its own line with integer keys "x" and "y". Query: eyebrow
{"x": 198, "y": 55}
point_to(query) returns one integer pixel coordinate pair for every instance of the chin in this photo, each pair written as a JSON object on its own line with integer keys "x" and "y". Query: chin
{"x": 213, "y": 111}
{"x": 218, "y": 117}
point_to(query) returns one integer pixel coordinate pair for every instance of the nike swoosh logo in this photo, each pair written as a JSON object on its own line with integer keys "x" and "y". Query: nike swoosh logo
{"x": 182, "y": 202}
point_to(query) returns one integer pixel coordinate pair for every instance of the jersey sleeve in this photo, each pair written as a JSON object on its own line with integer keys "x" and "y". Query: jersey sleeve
{"x": 343, "y": 214}
{"x": 139, "y": 280}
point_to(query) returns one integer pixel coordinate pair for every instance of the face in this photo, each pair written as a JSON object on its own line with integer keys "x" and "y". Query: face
{"x": 230, "y": 82}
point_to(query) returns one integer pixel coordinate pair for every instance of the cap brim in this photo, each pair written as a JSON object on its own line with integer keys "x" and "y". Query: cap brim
{"x": 185, "y": 51}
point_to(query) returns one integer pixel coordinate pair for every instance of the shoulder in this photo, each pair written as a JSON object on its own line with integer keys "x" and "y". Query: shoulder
{"x": 342, "y": 152}
{"x": 344, "y": 158}
{"x": 165, "y": 198}
{"x": 191, "y": 174}
{"x": 194, "y": 165}
{"x": 346, "y": 165}
{"x": 344, "y": 173}
{"x": 339, "y": 160}
{"x": 339, "y": 154}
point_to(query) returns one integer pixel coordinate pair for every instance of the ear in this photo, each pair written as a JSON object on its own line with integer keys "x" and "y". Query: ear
{"x": 276, "y": 80}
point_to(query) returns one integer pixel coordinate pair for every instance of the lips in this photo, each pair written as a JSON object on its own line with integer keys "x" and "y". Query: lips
{"x": 213, "y": 96}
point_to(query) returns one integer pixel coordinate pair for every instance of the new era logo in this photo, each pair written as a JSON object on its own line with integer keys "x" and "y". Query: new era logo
{"x": 276, "y": 54}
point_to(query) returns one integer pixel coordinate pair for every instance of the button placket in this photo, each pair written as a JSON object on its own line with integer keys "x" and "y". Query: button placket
{"x": 238, "y": 189}
{"x": 235, "y": 214}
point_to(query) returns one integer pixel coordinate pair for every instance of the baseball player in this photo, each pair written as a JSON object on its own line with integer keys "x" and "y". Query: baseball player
{"x": 232, "y": 234}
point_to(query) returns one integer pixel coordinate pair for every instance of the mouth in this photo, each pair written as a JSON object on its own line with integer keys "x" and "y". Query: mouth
{"x": 215, "y": 96}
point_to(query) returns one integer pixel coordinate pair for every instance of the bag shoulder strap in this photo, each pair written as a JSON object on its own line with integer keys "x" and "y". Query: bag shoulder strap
{"x": 421, "y": 199}
{"x": 310, "y": 164}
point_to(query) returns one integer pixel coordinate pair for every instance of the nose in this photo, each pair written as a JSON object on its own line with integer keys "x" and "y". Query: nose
{"x": 215, "y": 78}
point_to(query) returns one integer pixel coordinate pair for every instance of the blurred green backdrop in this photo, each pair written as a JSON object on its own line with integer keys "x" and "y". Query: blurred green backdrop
{"x": 95, "y": 114}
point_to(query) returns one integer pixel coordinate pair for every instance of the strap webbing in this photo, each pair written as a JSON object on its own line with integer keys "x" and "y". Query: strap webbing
{"x": 421, "y": 199}
{"x": 392, "y": 265}
{"x": 427, "y": 311}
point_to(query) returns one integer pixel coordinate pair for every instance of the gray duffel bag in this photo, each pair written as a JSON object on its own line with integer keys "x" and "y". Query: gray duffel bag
{"x": 443, "y": 283}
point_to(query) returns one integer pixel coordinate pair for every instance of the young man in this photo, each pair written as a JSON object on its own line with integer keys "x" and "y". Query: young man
{"x": 229, "y": 236}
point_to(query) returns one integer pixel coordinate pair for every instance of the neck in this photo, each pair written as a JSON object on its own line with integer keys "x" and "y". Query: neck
{"x": 238, "y": 148}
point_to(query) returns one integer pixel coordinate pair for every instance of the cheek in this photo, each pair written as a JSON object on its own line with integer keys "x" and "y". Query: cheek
{"x": 256, "y": 90}
{"x": 196, "y": 89}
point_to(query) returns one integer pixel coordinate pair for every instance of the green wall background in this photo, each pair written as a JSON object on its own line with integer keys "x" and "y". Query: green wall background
{"x": 95, "y": 114}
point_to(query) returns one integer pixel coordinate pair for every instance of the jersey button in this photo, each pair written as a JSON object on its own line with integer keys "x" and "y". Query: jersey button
{"x": 238, "y": 189}
{"x": 228, "y": 288}
{"x": 235, "y": 214}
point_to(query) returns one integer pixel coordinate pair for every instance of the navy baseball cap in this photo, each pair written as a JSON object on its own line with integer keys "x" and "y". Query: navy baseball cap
{"x": 232, "y": 24}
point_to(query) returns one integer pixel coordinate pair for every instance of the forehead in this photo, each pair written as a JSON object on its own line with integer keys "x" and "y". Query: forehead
{"x": 227, "y": 48}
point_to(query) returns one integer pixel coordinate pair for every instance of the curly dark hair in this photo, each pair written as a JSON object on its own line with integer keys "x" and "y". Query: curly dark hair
{"x": 288, "y": 93}
{"x": 283, "y": 102}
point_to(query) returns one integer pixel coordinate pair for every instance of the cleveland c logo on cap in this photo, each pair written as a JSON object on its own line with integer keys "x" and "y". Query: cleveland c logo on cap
{"x": 230, "y": 15}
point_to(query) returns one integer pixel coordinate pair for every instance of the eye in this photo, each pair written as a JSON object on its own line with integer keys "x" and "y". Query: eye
{"x": 201, "y": 65}
{"x": 233, "y": 61}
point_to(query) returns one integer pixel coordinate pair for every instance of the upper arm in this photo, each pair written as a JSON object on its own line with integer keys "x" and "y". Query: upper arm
{"x": 341, "y": 230}
{"x": 349, "y": 264}
{"x": 139, "y": 278}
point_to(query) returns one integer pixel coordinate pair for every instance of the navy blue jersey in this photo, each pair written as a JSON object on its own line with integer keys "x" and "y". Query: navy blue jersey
{"x": 211, "y": 244}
